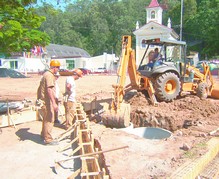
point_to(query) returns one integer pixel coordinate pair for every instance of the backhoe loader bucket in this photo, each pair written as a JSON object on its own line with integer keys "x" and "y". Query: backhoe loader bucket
{"x": 215, "y": 91}
{"x": 117, "y": 119}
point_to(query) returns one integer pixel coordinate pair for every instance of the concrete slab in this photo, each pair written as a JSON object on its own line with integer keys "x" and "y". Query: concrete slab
{"x": 23, "y": 154}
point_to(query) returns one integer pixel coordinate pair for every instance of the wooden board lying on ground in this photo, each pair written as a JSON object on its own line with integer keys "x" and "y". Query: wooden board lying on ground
{"x": 18, "y": 118}
{"x": 95, "y": 104}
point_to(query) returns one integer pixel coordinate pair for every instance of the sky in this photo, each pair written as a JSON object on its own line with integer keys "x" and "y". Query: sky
{"x": 59, "y": 4}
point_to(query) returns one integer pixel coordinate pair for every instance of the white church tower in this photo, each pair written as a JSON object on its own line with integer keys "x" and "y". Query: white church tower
{"x": 154, "y": 12}
{"x": 152, "y": 29}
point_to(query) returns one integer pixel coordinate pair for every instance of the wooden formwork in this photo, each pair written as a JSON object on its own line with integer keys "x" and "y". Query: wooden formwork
{"x": 82, "y": 133}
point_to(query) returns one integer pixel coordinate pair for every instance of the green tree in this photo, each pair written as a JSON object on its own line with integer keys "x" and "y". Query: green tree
{"x": 19, "y": 26}
{"x": 98, "y": 25}
{"x": 203, "y": 27}
{"x": 174, "y": 12}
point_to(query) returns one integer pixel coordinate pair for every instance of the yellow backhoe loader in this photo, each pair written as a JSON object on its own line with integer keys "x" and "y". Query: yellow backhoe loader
{"x": 168, "y": 76}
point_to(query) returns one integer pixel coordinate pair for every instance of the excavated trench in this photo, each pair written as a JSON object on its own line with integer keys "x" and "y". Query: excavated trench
{"x": 181, "y": 113}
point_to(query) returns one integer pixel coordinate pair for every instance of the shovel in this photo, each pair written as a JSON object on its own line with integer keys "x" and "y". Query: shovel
{"x": 59, "y": 163}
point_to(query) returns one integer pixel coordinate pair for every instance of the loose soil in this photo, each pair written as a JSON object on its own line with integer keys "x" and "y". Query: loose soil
{"x": 188, "y": 118}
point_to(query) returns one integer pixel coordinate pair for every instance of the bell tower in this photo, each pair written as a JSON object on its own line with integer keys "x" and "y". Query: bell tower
{"x": 154, "y": 12}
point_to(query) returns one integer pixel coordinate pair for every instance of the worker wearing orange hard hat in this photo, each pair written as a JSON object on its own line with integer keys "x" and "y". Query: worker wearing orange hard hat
{"x": 48, "y": 96}
{"x": 70, "y": 97}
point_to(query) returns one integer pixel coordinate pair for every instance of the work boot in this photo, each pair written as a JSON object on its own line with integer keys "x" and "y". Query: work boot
{"x": 57, "y": 121}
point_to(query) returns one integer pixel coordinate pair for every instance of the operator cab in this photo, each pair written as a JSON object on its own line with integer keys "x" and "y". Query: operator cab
{"x": 162, "y": 55}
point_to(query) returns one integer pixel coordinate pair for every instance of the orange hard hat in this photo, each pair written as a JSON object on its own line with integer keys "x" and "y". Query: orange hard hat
{"x": 55, "y": 63}
{"x": 79, "y": 72}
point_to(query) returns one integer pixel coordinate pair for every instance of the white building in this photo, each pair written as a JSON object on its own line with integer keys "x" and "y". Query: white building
{"x": 108, "y": 61}
{"x": 69, "y": 57}
{"x": 152, "y": 29}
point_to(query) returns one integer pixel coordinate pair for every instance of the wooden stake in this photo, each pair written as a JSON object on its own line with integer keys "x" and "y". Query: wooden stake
{"x": 9, "y": 116}
{"x": 89, "y": 154}
{"x": 214, "y": 131}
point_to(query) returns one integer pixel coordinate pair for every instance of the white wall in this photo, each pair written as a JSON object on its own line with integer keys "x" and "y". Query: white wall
{"x": 101, "y": 61}
{"x": 37, "y": 64}
{"x": 33, "y": 64}
{"x": 25, "y": 64}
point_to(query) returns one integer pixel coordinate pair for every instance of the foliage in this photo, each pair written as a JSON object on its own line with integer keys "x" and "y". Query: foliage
{"x": 196, "y": 151}
{"x": 203, "y": 27}
{"x": 98, "y": 25}
{"x": 19, "y": 26}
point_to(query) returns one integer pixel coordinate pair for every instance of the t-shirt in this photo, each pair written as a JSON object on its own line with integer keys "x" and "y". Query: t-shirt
{"x": 70, "y": 80}
{"x": 48, "y": 80}
{"x": 57, "y": 90}
{"x": 156, "y": 55}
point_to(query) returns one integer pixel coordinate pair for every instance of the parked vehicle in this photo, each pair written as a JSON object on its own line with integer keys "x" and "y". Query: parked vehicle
{"x": 85, "y": 71}
{"x": 101, "y": 70}
{"x": 65, "y": 72}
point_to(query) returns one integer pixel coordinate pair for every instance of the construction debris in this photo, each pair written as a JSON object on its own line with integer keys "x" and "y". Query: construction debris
{"x": 16, "y": 113}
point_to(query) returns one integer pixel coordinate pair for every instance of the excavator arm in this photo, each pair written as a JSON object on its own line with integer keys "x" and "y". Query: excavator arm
{"x": 127, "y": 64}
{"x": 119, "y": 113}
{"x": 137, "y": 81}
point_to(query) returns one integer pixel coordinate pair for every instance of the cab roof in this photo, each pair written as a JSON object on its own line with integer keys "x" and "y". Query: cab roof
{"x": 162, "y": 41}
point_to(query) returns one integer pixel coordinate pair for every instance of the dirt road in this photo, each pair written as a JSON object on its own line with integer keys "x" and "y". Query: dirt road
{"x": 189, "y": 118}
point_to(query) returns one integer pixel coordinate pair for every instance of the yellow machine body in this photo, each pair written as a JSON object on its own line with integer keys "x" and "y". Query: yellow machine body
{"x": 119, "y": 113}
{"x": 211, "y": 89}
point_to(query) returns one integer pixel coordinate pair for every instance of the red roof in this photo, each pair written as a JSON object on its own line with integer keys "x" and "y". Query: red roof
{"x": 154, "y": 3}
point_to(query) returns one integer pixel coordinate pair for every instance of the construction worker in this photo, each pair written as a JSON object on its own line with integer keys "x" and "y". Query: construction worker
{"x": 70, "y": 97}
{"x": 48, "y": 96}
{"x": 151, "y": 59}
{"x": 156, "y": 53}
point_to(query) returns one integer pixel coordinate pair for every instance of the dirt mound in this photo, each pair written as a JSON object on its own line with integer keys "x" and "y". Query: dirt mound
{"x": 181, "y": 113}
{"x": 184, "y": 112}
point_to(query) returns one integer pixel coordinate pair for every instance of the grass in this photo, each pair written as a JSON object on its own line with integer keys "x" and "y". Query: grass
{"x": 196, "y": 150}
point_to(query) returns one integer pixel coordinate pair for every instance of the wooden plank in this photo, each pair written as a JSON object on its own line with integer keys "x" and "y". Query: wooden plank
{"x": 68, "y": 145}
{"x": 90, "y": 165}
{"x": 74, "y": 151}
{"x": 90, "y": 174}
{"x": 76, "y": 173}
{"x": 68, "y": 132}
{"x": 18, "y": 118}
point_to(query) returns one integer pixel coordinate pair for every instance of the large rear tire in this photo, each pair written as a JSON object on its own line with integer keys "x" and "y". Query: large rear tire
{"x": 167, "y": 87}
{"x": 202, "y": 90}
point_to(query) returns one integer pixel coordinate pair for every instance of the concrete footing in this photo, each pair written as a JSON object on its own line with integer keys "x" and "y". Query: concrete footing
{"x": 194, "y": 168}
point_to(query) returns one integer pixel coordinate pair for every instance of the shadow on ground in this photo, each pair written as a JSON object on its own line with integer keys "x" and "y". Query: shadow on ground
{"x": 24, "y": 134}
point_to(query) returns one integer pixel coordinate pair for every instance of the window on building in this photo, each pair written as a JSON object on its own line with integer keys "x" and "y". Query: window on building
{"x": 70, "y": 64}
{"x": 152, "y": 14}
{"x": 13, "y": 64}
{"x": 143, "y": 43}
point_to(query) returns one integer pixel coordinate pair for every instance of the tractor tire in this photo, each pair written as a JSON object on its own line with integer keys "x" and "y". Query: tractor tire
{"x": 167, "y": 87}
{"x": 202, "y": 90}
